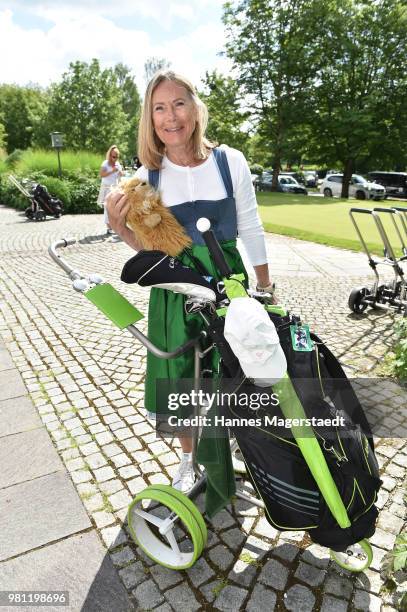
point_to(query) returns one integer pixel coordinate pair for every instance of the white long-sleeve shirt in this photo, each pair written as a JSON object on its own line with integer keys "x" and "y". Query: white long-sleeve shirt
{"x": 179, "y": 184}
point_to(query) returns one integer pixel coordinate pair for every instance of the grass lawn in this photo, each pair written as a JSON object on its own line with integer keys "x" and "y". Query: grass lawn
{"x": 325, "y": 220}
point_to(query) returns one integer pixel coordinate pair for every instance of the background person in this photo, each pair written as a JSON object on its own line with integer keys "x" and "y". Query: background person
{"x": 192, "y": 175}
{"x": 110, "y": 172}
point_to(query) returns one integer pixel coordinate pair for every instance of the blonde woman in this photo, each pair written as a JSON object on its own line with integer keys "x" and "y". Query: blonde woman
{"x": 110, "y": 172}
{"x": 196, "y": 179}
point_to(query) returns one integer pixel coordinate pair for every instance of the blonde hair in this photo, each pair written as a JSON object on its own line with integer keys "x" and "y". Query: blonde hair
{"x": 150, "y": 147}
{"x": 109, "y": 151}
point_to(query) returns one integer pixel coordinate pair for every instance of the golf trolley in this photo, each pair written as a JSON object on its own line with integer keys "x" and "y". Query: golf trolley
{"x": 164, "y": 522}
{"x": 393, "y": 294}
{"x": 41, "y": 203}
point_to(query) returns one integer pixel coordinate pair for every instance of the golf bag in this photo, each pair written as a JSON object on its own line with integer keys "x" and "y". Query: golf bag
{"x": 43, "y": 204}
{"x": 277, "y": 468}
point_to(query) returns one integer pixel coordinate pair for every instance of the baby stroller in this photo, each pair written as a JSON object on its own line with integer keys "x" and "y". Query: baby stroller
{"x": 42, "y": 204}
{"x": 331, "y": 479}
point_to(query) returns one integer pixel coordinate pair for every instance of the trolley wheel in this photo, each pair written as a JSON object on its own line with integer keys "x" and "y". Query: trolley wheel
{"x": 40, "y": 215}
{"x": 159, "y": 537}
{"x": 356, "y": 558}
{"x": 29, "y": 213}
{"x": 57, "y": 215}
{"x": 355, "y": 299}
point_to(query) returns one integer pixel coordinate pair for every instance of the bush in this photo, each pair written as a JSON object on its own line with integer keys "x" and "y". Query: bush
{"x": 256, "y": 169}
{"x": 13, "y": 159}
{"x": 84, "y": 192}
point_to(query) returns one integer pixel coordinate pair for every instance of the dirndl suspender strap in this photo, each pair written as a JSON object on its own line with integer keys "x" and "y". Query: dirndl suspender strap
{"x": 223, "y": 167}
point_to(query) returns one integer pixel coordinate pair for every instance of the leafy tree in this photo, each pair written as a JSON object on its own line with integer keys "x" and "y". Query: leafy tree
{"x": 226, "y": 120}
{"x": 87, "y": 107}
{"x": 130, "y": 104}
{"x": 271, "y": 46}
{"x": 154, "y": 64}
{"x": 358, "y": 103}
{"x": 21, "y": 108}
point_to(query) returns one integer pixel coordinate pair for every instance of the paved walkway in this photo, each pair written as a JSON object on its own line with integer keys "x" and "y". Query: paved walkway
{"x": 75, "y": 446}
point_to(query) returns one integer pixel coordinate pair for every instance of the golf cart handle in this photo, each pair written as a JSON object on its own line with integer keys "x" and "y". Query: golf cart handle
{"x": 366, "y": 211}
{"x": 217, "y": 253}
{"x": 52, "y": 250}
{"x": 385, "y": 210}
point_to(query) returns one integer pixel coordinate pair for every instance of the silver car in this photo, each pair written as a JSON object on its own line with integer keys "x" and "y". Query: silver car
{"x": 359, "y": 188}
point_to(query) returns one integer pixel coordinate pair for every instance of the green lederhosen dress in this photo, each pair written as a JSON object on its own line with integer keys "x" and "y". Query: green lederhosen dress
{"x": 169, "y": 326}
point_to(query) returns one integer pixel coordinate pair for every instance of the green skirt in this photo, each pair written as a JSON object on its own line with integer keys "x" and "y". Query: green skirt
{"x": 169, "y": 326}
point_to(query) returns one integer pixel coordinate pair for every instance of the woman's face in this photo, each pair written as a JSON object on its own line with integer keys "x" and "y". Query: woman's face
{"x": 174, "y": 115}
{"x": 114, "y": 156}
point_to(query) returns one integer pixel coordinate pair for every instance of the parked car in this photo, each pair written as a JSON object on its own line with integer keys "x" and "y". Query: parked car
{"x": 289, "y": 184}
{"x": 286, "y": 184}
{"x": 395, "y": 183}
{"x": 359, "y": 187}
{"x": 311, "y": 178}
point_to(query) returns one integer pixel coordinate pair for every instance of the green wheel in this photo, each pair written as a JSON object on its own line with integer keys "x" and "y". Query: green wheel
{"x": 159, "y": 537}
{"x": 356, "y": 558}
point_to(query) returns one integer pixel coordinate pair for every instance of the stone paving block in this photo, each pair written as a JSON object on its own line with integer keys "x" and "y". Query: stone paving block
{"x": 11, "y": 385}
{"x": 147, "y": 595}
{"x": 299, "y": 597}
{"x": 221, "y": 557}
{"x": 132, "y": 574}
{"x": 366, "y": 601}
{"x": 233, "y": 538}
{"x": 274, "y": 574}
{"x": 332, "y": 604}
{"x": 6, "y": 363}
{"x": 230, "y": 598}
{"x": 244, "y": 572}
{"x": 309, "y": 574}
{"x": 27, "y": 455}
{"x": 78, "y": 564}
{"x": 122, "y": 557}
{"x": 165, "y": 577}
{"x": 316, "y": 555}
{"x": 338, "y": 585}
{"x": 200, "y": 572}
{"x": 261, "y": 599}
{"x": 52, "y": 506}
{"x": 16, "y": 415}
{"x": 383, "y": 539}
{"x": 114, "y": 536}
{"x": 389, "y": 522}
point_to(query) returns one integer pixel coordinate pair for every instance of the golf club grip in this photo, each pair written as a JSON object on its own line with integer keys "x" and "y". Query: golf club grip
{"x": 216, "y": 253}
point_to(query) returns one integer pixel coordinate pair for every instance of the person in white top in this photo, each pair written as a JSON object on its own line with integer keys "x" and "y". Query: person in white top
{"x": 110, "y": 172}
{"x": 194, "y": 176}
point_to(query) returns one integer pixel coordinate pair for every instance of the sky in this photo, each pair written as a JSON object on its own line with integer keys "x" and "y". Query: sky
{"x": 38, "y": 39}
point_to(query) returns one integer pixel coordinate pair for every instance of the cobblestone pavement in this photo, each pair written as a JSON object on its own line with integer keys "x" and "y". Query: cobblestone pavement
{"x": 86, "y": 380}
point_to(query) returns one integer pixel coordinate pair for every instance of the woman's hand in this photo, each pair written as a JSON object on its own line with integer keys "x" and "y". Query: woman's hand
{"x": 117, "y": 208}
{"x": 264, "y": 284}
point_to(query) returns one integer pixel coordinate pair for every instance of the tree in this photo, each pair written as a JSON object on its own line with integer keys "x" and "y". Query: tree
{"x": 226, "y": 119}
{"x": 130, "y": 104}
{"x": 271, "y": 46}
{"x": 21, "y": 109}
{"x": 358, "y": 101}
{"x": 87, "y": 107}
{"x": 154, "y": 64}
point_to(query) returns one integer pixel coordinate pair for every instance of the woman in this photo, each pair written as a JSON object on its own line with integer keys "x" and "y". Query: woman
{"x": 110, "y": 172}
{"x": 193, "y": 175}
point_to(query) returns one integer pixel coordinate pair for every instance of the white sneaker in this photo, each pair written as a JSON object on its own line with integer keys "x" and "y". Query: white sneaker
{"x": 184, "y": 479}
